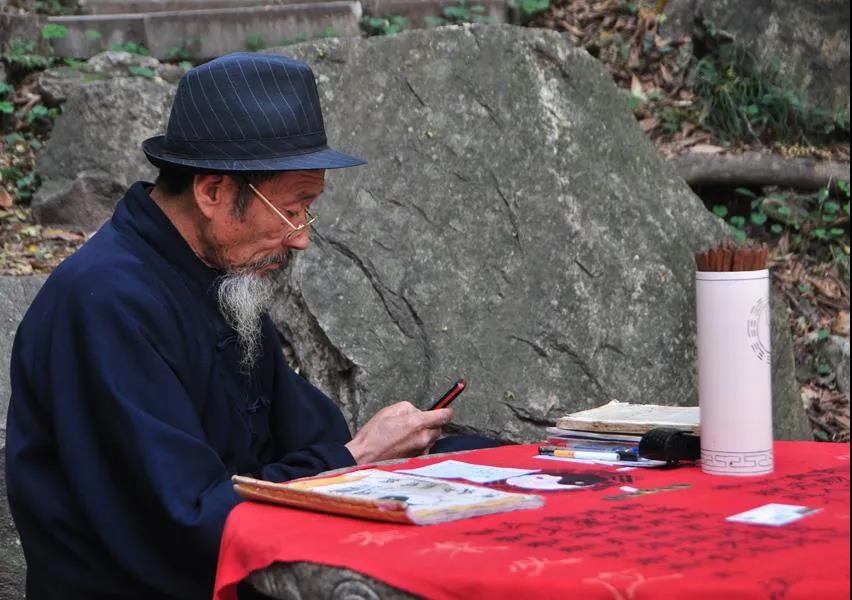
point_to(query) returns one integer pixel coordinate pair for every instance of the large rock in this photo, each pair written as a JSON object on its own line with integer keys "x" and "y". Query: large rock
{"x": 16, "y": 294}
{"x": 55, "y": 84}
{"x": 117, "y": 64}
{"x": 86, "y": 201}
{"x": 808, "y": 40}
{"x": 836, "y": 352}
{"x": 95, "y": 147}
{"x": 514, "y": 227}
{"x": 789, "y": 418}
{"x": 13, "y": 567}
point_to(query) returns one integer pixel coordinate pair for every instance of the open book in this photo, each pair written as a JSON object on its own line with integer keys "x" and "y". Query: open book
{"x": 636, "y": 419}
{"x": 386, "y": 496}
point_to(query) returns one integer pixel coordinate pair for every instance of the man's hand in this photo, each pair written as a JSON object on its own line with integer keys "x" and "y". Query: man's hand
{"x": 397, "y": 431}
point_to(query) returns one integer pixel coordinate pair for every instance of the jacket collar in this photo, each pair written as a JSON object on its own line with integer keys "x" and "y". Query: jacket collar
{"x": 137, "y": 212}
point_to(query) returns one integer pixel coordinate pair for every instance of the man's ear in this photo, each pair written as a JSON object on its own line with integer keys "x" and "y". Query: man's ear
{"x": 214, "y": 193}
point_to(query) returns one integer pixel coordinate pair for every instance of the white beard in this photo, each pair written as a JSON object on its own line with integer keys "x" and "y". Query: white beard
{"x": 244, "y": 297}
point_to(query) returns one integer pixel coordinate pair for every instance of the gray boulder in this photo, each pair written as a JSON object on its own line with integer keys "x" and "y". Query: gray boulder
{"x": 789, "y": 419}
{"x": 809, "y": 40}
{"x": 117, "y": 64}
{"x": 514, "y": 227}
{"x": 87, "y": 201}
{"x": 13, "y": 567}
{"x": 95, "y": 147}
{"x": 16, "y": 294}
{"x": 57, "y": 83}
{"x": 836, "y": 352}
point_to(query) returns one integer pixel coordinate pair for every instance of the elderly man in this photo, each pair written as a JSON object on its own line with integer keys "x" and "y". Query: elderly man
{"x": 146, "y": 372}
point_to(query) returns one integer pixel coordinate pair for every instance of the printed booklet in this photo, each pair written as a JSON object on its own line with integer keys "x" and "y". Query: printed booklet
{"x": 386, "y": 496}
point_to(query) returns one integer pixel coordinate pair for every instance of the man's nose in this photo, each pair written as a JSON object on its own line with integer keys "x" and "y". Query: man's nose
{"x": 300, "y": 241}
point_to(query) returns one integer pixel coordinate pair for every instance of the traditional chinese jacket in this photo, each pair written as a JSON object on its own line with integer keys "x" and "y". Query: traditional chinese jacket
{"x": 129, "y": 414}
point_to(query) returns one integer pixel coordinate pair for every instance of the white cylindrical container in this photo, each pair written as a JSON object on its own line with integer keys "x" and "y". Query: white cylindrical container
{"x": 734, "y": 372}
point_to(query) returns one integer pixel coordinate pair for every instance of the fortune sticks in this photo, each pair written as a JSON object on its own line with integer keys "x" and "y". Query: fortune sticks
{"x": 729, "y": 257}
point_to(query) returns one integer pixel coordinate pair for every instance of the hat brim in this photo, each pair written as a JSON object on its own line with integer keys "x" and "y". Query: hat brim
{"x": 322, "y": 158}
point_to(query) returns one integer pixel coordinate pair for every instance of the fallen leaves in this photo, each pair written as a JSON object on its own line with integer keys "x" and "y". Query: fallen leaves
{"x": 819, "y": 297}
{"x": 28, "y": 248}
{"x": 840, "y": 326}
{"x": 625, "y": 37}
{"x": 6, "y": 199}
{"x": 829, "y": 413}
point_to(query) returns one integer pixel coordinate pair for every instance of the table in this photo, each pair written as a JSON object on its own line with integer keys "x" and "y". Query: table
{"x": 626, "y": 534}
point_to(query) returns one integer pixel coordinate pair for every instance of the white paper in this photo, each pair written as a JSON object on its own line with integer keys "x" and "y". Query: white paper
{"x": 773, "y": 514}
{"x": 625, "y": 464}
{"x": 373, "y": 484}
{"x": 454, "y": 469}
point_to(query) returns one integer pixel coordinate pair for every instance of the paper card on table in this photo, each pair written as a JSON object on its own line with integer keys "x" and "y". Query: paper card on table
{"x": 773, "y": 514}
{"x": 455, "y": 469}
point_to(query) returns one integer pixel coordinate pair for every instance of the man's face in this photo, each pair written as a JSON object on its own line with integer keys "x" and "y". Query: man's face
{"x": 258, "y": 241}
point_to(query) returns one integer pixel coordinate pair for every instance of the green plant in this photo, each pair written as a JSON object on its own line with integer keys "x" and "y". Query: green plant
{"x": 254, "y": 42}
{"x": 54, "y": 7}
{"x": 23, "y": 183}
{"x": 23, "y": 56}
{"x": 327, "y": 32}
{"x": 175, "y": 53}
{"x": 40, "y": 112}
{"x": 383, "y": 25}
{"x": 628, "y": 7}
{"x": 7, "y": 107}
{"x": 741, "y": 98}
{"x": 53, "y": 31}
{"x": 817, "y": 224}
{"x": 131, "y": 47}
{"x": 529, "y": 8}
{"x": 461, "y": 12}
{"x": 139, "y": 71}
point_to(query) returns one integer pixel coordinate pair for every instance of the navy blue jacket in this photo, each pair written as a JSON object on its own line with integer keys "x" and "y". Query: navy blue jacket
{"x": 129, "y": 414}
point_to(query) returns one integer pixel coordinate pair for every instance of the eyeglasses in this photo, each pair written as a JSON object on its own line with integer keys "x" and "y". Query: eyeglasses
{"x": 296, "y": 229}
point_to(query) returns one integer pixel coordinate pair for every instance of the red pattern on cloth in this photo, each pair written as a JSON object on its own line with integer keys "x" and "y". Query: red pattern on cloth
{"x": 668, "y": 540}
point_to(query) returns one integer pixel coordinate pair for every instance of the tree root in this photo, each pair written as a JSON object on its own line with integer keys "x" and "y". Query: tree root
{"x": 754, "y": 169}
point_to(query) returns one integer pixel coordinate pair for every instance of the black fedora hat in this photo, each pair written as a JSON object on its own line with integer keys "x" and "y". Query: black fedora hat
{"x": 247, "y": 112}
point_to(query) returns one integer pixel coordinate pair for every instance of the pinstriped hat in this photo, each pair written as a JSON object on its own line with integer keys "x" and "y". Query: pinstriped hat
{"x": 247, "y": 112}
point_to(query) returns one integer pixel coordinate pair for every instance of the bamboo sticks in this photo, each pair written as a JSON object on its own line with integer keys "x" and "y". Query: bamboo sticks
{"x": 730, "y": 257}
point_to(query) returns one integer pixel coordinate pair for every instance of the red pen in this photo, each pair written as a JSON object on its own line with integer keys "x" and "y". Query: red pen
{"x": 451, "y": 395}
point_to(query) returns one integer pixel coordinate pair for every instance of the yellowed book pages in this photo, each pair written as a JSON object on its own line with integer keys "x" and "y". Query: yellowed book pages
{"x": 386, "y": 496}
{"x": 623, "y": 417}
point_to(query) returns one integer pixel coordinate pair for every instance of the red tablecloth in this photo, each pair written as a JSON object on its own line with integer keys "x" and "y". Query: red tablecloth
{"x": 668, "y": 539}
